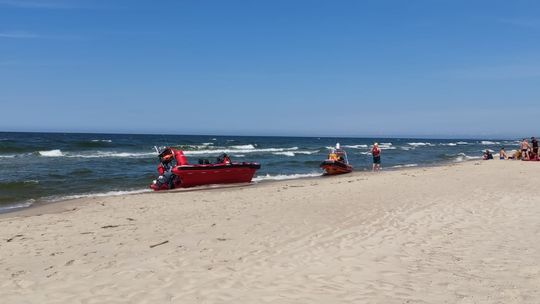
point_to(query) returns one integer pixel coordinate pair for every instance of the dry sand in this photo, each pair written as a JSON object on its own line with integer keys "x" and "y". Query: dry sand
{"x": 467, "y": 233}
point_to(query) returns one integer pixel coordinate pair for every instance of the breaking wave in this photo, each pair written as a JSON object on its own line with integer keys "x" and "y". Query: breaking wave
{"x": 101, "y": 194}
{"x": 96, "y": 154}
{"x": 285, "y": 176}
{"x": 6, "y": 208}
{"x": 386, "y": 146}
{"x": 286, "y": 153}
{"x": 251, "y": 150}
{"x": 51, "y": 153}
{"x": 405, "y": 166}
{"x": 420, "y": 144}
{"x": 243, "y": 147}
{"x": 355, "y": 146}
{"x": 463, "y": 157}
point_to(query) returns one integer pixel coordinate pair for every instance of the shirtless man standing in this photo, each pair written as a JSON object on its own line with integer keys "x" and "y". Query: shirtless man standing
{"x": 524, "y": 146}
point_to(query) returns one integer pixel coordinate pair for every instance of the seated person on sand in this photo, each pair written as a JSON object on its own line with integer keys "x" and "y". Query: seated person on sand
{"x": 487, "y": 155}
{"x": 502, "y": 154}
{"x": 533, "y": 156}
{"x": 516, "y": 155}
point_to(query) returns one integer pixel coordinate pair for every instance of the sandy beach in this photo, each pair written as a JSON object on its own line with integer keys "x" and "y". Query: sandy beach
{"x": 463, "y": 233}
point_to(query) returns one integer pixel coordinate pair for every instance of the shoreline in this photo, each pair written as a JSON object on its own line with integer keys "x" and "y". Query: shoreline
{"x": 61, "y": 205}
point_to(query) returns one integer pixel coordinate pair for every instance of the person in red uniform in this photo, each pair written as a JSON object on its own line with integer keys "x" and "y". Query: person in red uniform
{"x": 165, "y": 174}
{"x": 224, "y": 159}
{"x": 376, "y": 152}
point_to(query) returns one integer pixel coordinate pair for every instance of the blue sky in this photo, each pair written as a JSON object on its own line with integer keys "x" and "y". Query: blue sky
{"x": 347, "y": 68}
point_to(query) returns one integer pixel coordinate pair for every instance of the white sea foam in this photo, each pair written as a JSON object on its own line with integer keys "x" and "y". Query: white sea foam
{"x": 284, "y": 176}
{"x": 230, "y": 151}
{"x": 448, "y": 144}
{"x": 196, "y": 147}
{"x": 286, "y": 153}
{"x": 293, "y": 153}
{"x": 487, "y": 142}
{"x": 102, "y": 194}
{"x": 207, "y": 144}
{"x": 102, "y": 140}
{"x": 112, "y": 154}
{"x": 238, "y": 155}
{"x": 26, "y": 204}
{"x": 406, "y": 148}
{"x": 8, "y": 156}
{"x": 462, "y": 143}
{"x": 386, "y": 146}
{"x": 405, "y": 166}
{"x": 420, "y": 144}
{"x": 356, "y": 146}
{"x": 382, "y": 146}
{"x": 51, "y": 153}
{"x": 243, "y": 147}
{"x": 306, "y": 152}
{"x": 463, "y": 157}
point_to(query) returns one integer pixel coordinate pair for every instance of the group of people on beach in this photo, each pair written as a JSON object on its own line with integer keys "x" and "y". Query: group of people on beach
{"x": 526, "y": 151}
{"x": 529, "y": 151}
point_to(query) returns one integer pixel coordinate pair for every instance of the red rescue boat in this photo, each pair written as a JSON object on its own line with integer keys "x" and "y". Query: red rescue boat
{"x": 175, "y": 172}
{"x": 336, "y": 163}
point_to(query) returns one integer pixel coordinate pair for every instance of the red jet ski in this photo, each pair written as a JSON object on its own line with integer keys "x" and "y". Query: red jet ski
{"x": 336, "y": 163}
{"x": 175, "y": 172}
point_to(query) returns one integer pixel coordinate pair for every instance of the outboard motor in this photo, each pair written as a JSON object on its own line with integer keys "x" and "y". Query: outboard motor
{"x": 166, "y": 177}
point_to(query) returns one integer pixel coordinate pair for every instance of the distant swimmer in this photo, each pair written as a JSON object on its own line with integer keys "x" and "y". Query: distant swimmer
{"x": 376, "y": 152}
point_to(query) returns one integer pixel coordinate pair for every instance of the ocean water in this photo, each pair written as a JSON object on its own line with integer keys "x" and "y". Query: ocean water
{"x": 45, "y": 167}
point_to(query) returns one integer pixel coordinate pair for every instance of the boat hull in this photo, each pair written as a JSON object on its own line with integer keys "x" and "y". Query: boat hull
{"x": 332, "y": 167}
{"x": 197, "y": 175}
